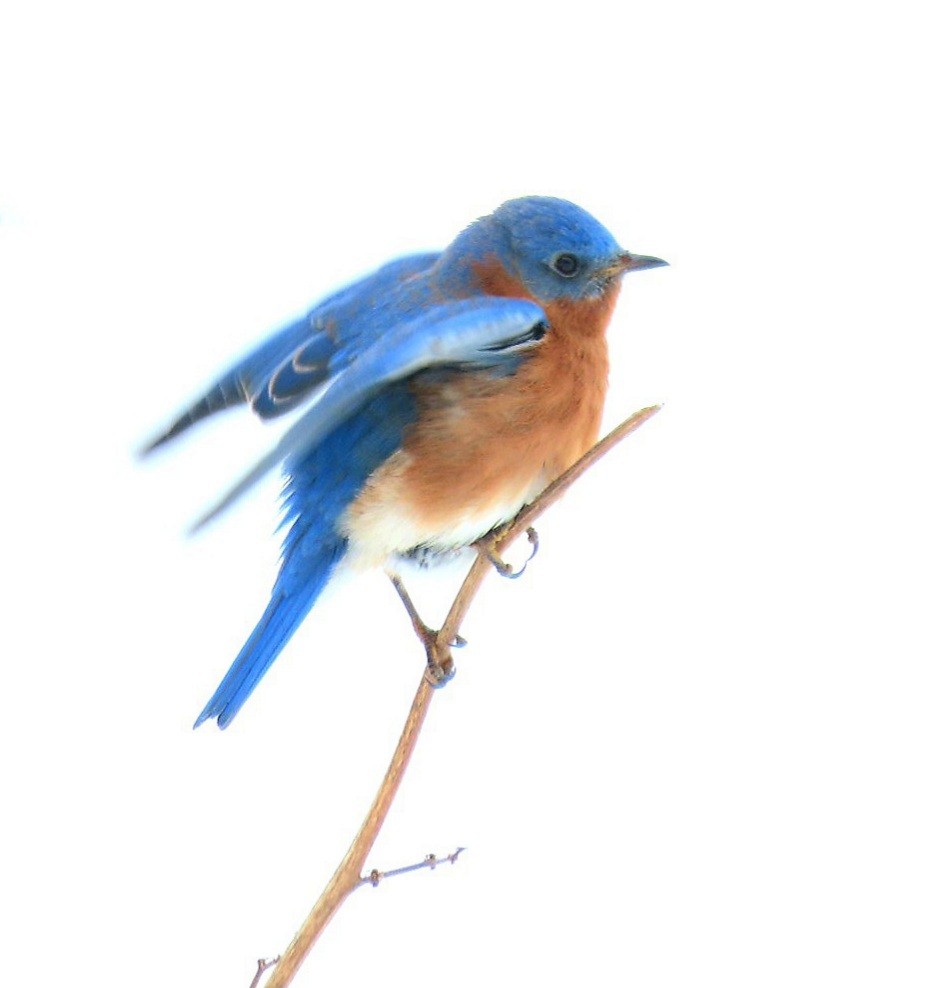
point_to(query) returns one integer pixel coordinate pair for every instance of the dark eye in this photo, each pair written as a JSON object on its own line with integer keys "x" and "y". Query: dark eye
{"x": 566, "y": 265}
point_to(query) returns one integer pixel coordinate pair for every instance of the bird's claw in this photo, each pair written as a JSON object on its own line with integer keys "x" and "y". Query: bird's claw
{"x": 502, "y": 566}
{"x": 438, "y": 674}
{"x": 430, "y": 638}
{"x": 440, "y": 668}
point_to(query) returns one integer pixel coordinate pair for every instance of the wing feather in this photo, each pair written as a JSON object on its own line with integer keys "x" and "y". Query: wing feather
{"x": 476, "y": 333}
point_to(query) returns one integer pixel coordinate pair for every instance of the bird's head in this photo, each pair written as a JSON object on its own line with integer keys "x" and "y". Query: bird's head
{"x": 557, "y": 250}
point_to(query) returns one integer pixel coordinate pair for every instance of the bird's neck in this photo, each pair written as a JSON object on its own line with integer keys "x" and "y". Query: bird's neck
{"x": 587, "y": 317}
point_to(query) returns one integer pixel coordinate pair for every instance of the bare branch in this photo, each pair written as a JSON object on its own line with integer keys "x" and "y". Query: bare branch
{"x": 431, "y": 862}
{"x": 348, "y": 875}
{"x": 263, "y": 966}
{"x": 526, "y": 518}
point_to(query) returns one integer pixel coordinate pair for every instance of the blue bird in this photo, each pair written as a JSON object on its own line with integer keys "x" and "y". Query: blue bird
{"x": 446, "y": 390}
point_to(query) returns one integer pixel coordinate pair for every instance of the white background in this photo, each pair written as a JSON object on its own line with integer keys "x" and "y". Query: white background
{"x": 698, "y": 744}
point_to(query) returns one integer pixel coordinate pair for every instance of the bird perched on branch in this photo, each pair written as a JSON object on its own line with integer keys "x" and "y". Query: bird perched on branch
{"x": 446, "y": 391}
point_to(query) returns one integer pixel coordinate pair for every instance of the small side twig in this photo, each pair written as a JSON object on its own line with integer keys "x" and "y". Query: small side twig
{"x": 431, "y": 862}
{"x": 263, "y": 966}
{"x": 348, "y": 875}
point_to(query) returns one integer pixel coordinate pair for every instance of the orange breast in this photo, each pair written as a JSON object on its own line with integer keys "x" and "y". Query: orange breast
{"x": 480, "y": 440}
{"x": 483, "y": 446}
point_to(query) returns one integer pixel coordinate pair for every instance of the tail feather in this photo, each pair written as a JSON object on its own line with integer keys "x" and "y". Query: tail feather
{"x": 292, "y": 598}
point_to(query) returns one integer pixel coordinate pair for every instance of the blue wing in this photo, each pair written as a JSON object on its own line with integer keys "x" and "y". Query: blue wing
{"x": 478, "y": 333}
{"x": 276, "y": 376}
{"x": 355, "y": 356}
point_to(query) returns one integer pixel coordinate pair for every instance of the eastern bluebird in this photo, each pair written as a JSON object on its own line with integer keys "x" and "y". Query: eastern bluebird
{"x": 447, "y": 390}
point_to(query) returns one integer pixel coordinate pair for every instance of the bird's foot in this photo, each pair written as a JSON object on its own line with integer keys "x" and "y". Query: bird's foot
{"x": 487, "y": 549}
{"x": 440, "y": 668}
{"x": 439, "y": 672}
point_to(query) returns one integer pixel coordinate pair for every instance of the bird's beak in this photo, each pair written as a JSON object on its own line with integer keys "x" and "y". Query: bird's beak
{"x": 635, "y": 262}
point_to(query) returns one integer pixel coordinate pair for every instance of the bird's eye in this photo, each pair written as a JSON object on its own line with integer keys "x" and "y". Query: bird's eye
{"x": 565, "y": 264}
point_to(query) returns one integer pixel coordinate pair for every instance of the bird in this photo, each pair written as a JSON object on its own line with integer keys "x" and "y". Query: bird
{"x": 443, "y": 392}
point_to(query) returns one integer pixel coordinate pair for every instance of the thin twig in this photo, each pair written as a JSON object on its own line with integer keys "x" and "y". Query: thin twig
{"x": 529, "y": 514}
{"x": 263, "y": 966}
{"x": 347, "y": 877}
{"x": 431, "y": 862}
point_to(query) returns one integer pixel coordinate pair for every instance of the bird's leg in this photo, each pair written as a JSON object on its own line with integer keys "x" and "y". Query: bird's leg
{"x": 421, "y": 629}
{"x": 440, "y": 663}
{"x": 487, "y": 548}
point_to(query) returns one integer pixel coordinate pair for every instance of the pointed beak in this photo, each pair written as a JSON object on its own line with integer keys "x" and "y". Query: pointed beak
{"x": 636, "y": 262}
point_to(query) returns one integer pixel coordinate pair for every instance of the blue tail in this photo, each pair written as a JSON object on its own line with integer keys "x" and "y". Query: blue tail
{"x": 320, "y": 486}
{"x": 294, "y": 593}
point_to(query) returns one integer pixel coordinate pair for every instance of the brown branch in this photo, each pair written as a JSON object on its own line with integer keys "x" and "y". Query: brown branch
{"x": 348, "y": 875}
{"x": 528, "y": 515}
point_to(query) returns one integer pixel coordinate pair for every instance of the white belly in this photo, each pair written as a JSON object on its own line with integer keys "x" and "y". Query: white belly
{"x": 382, "y": 523}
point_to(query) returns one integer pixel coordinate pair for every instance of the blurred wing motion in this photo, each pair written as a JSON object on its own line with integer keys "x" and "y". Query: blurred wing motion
{"x": 281, "y": 373}
{"x": 476, "y": 333}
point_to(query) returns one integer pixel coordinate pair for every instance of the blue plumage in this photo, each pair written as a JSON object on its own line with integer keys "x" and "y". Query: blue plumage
{"x": 479, "y": 334}
{"x": 508, "y": 320}
{"x": 320, "y": 485}
{"x": 292, "y": 597}
{"x": 272, "y": 379}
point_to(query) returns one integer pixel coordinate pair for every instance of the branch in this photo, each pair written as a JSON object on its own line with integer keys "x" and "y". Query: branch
{"x": 431, "y": 862}
{"x": 527, "y": 515}
{"x": 347, "y": 876}
{"x": 438, "y": 645}
{"x": 263, "y": 966}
